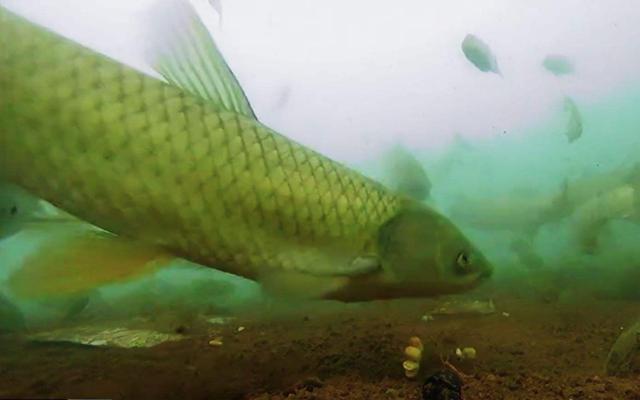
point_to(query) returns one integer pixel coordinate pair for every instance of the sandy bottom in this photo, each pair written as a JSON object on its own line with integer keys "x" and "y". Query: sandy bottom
{"x": 539, "y": 349}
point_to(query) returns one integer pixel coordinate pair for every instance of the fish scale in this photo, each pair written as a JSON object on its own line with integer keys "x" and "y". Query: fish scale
{"x": 144, "y": 159}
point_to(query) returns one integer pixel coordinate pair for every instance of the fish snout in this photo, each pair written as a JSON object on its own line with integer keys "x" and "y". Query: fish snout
{"x": 486, "y": 273}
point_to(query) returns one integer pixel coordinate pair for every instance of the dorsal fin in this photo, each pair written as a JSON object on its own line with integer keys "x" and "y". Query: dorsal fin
{"x": 186, "y": 55}
{"x": 405, "y": 174}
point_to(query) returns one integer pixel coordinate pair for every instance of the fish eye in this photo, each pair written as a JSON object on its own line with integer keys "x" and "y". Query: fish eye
{"x": 463, "y": 261}
{"x": 14, "y": 210}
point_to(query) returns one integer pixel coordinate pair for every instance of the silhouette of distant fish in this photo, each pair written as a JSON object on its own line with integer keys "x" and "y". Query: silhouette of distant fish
{"x": 480, "y": 55}
{"x": 558, "y": 65}
{"x": 574, "y": 128}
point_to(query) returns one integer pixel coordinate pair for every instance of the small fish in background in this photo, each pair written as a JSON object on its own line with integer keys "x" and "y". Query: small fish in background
{"x": 525, "y": 251}
{"x": 455, "y": 156}
{"x": 558, "y": 65}
{"x": 480, "y": 55}
{"x": 576, "y": 193}
{"x": 592, "y": 218}
{"x": 574, "y": 126}
{"x": 509, "y": 212}
{"x": 406, "y": 175}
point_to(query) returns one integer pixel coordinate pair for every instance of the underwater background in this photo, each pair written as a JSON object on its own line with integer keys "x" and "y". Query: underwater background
{"x": 538, "y": 165}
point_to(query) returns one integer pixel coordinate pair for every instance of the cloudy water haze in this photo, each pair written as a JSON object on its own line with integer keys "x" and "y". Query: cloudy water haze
{"x": 502, "y": 244}
{"x": 362, "y": 73}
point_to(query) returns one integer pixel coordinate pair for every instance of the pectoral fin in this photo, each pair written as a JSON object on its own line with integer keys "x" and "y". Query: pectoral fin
{"x": 83, "y": 262}
{"x": 298, "y": 285}
{"x": 363, "y": 265}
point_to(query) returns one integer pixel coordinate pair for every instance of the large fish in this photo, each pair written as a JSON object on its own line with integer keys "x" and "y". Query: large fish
{"x": 184, "y": 169}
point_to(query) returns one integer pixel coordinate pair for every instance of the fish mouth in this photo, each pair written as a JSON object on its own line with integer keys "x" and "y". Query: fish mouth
{"x": 486, "y": 274}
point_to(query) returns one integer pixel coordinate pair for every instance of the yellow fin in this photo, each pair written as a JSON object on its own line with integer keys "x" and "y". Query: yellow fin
{"x": 82, "y": 262}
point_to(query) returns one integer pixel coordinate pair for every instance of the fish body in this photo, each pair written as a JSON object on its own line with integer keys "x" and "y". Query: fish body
{"x": 593, "y": 216}
{"x": 152, "y": 162}
{"x": 511, "y": 213}
{"x": 479, "y": 54}
{"x": 528, "y": 211}
{"x": 574, "y": 126}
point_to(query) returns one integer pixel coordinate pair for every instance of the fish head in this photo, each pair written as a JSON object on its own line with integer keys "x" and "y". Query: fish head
{"x": 422, "y": 254}
{"x": 424, "y": 251}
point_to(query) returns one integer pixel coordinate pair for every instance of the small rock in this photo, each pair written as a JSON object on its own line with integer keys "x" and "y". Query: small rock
{"x": 313, "y": 382}
{"x": 469, "y": 353}
{"x": 443, "y": 385}
{"x": 391, "y": 393}
{"x": 427, "y": 317}
{"x": 216, "y": 341}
